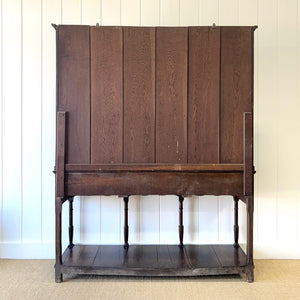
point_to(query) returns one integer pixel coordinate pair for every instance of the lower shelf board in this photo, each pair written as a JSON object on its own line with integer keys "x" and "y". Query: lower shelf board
{"x": 154, "y": 260}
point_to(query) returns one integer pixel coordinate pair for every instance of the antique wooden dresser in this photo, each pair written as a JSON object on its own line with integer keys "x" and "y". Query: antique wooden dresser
{"x": 154, "y": 111}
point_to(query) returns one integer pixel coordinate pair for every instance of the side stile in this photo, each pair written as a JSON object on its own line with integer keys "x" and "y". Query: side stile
{"x": 248, "y": 188}
{"x": 60, "y": 189}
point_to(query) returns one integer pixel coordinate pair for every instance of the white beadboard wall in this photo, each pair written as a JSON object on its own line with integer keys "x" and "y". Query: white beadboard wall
{"x": 27, "y": 130}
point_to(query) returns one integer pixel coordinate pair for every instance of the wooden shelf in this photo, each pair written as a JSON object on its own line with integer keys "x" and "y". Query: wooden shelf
{"x": 154, "y": 260}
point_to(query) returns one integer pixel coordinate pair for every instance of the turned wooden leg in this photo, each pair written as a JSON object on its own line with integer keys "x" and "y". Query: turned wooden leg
{"x": 181, "y": 228}
{"x": 126, "y": 227}
{"x": 58, "y": 247}
{"x": 236, "y": 221}
{"x": 71, "y": 227}
{"x": 250, "y": 272}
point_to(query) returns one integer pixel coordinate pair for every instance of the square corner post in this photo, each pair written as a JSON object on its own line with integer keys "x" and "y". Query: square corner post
{"x": 59, "y": 189}
{"x": 249, "y": 190}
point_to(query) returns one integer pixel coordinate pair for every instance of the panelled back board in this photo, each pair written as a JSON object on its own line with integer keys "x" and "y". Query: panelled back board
{"x": 154, "y": 95}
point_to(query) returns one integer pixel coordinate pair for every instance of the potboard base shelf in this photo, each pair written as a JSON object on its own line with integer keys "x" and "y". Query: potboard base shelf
{"x": 154, "y": 260}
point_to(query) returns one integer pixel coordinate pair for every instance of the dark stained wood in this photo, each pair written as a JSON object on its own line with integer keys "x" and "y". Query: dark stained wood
{"x": 178, "y": 257}
{"x": 149, "y": 183}
{"x": 203, "y": 256}
{"x": 156, "y": 168}
{"x": 203, "y": 100}
{"x": 106, "y": 95}
{"x": 73, "y": 75}
{"x": 248, "y": 154}
{"x": 236, "y": 221}
{"x": 139, "y": 94}
{"x": 139, "y": 256}
{"x": 171, "y": 94}
{"x": 230, "y": 256}
{"x": 109, "y": 256}
{"x": 250, "y": 207}
{"x": 180, "y": 226}
{"x": 81, "y": 255}
{"x": 153, "y": 260}
{"x": 145, "y": 111}
{"x": 236, "y": 89}
{"x": 58, "y": 243}
{"x": 126, "y": 228}
{"x": 60, "y": 154}
{"x": 71, "y": 227}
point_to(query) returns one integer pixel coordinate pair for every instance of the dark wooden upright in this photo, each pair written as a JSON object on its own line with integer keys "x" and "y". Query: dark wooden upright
{"x": 154, "y": 111}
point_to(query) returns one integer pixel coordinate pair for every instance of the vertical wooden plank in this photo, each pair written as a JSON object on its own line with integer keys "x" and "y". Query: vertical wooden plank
{"x": 189, "y": 12}
{"x": 130, "y": 12}
{"x": 288, "y": 122}
{"x": 203, "y": 101}
{"x": 267, "y": 121}
{"x": 236, "y": 90}
{"x": 31, "y": 154}
{"x": 150, "y": 12}
{"x": 106, "y": 95}
{"x": 168, "y": 205}
{"x": 74, "y": 89}
{"x": 208, "y": 12}
{"x": 71, "y": 13}
{"x": 169, "y": 12}
{"x": 50, "y": 14}
{"x": 111, "y": 206}
{"x": 139, "y": 95}
{"x": 12, "y": 121}
{"x": 171, "y": 95}
{"x": 149, "y": 205}
{"x": 111, "y": 12}
{"x": 90, "y": 206}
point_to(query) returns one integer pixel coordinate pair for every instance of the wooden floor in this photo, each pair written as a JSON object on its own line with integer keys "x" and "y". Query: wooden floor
{"x": 154, "y": 260}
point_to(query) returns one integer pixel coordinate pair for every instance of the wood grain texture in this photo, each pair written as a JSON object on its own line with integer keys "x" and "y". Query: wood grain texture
{"x": 155, "y": 167}
{"x": 106, "y": 95}
{"x": 60, "y": 154}
{"x": 139, "y": 94}
{"x": 236, "y": 89}
{"x": 73, "y": 75}
{"x": 203, "y": 101}
{"x": 171, "y": 94}
{"x": 248, "y": 154}
{"x": 154, "y": 260}
{"x": 154, "y": 183}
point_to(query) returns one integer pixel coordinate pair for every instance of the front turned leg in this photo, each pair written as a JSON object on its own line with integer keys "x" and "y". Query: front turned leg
{"x": 249, "y": 271}
{"x": 71, "y": 227}
{"x": 126, "y": 227}
{"x": 58, "y": 247}
{"x": 181, "y": 227}
{"x": 236, "y": 221}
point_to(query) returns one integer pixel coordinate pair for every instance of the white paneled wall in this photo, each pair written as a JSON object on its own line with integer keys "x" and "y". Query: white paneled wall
{"x": 27, "y": 130}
